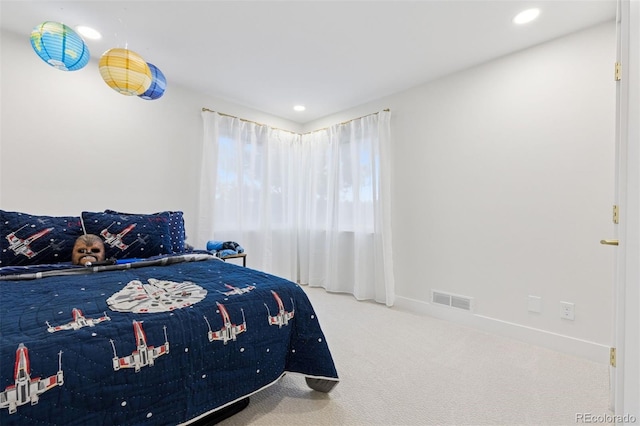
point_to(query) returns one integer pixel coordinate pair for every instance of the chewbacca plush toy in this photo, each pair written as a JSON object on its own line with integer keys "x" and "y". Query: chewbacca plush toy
{"x": 87, "y": 250}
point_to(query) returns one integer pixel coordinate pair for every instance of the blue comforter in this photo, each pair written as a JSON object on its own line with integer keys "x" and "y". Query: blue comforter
{"x": 162, "y": 341}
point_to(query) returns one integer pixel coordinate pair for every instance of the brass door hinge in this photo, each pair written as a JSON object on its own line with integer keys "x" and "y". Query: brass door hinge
{"x": 612, "y": 357}
{"x": 618, "y": 72}
{"x": 616, "y": 217}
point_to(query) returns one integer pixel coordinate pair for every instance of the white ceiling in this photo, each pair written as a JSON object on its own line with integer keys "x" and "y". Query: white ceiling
{"x": 327, "y": 55}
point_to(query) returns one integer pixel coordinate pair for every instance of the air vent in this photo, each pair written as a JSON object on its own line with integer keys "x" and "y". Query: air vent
{"x": 461, "y": 303}
{"x": 441, "y": 298}
{"x": 452, "y": 300}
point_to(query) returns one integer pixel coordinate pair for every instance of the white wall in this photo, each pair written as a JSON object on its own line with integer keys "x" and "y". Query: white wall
{"x": 503, "y": 187}
{"x": 70, "y": 143}
{"x": 503, "y": 174}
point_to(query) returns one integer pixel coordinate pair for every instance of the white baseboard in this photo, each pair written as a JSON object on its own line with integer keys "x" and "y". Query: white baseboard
{"x": 566, "y": 344}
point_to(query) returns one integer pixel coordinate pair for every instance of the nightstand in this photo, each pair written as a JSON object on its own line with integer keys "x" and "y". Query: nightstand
{"x": 235, "y": 256}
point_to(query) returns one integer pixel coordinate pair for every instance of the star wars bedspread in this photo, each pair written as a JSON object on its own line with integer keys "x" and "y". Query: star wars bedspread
{"x": 148, "y": 343}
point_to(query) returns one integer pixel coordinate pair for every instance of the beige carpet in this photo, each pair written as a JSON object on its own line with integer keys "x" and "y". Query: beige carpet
{"x": 399, "y": 368}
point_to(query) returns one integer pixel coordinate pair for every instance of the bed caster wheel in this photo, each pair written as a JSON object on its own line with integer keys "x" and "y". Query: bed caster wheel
{"x": 321, "y": 385}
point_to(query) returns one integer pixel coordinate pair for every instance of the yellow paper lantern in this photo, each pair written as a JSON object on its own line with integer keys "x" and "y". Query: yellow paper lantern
{"x": 125, "y": 71}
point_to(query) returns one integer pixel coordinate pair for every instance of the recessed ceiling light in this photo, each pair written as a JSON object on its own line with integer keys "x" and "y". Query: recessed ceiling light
{"x": 299, "y": 108}
{"x": 526, "y": 16}
{"x": 89, "y": 32}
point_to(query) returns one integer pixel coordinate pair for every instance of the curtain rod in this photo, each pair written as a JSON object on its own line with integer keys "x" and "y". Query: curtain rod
{"x": 246, "y": 121}
{"x": 288, "y": 131}
{"x": 347, "y": 122}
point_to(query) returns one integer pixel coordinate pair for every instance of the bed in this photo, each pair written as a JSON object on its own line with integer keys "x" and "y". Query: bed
{"x": 175, "y": 337}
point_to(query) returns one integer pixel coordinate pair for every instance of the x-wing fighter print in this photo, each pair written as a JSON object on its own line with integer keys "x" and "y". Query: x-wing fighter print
{"x": 22, "y": 245}
{"x": 237, "y": 290}
{"x": 115, "y": 240}
{"x": 142, "y": 239}
{"x": 78, "y": 322}
{"x": 144, "y": 354}
{"x": 229, "y": 331}
{"x": 25, "y": 389}
{"x": 282, "y": 317}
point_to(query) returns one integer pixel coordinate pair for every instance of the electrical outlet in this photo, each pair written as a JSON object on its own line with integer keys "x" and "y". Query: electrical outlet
{"x": 566, "y": 311}
{"x": 535, "y": 304}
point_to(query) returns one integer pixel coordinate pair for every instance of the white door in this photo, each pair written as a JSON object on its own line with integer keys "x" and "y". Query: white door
{"x": 618, "y": 320}
{"x": 625, "y": 376}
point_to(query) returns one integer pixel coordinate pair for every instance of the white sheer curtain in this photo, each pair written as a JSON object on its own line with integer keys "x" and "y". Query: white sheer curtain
{"x": 248, "y": 191}
{"x": 312, "y": 208}
{"x": 345, "y": 233}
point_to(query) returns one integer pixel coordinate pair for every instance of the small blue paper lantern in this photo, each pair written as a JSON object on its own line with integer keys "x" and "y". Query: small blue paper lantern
{"x": 59, "y": 46}
{"x": 158, "y": 84}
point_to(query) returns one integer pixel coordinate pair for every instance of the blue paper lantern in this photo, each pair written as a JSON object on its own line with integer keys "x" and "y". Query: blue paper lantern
{"x": 158, "y": 84}
{"x": 59, "y": 46}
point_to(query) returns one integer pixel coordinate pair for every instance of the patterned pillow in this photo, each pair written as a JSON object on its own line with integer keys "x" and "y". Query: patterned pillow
{"x": 176, "y": 228}
{"x": 35, "y": 240}
{"x": 178, "y": 231}
{"x": 130, "y": 236}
